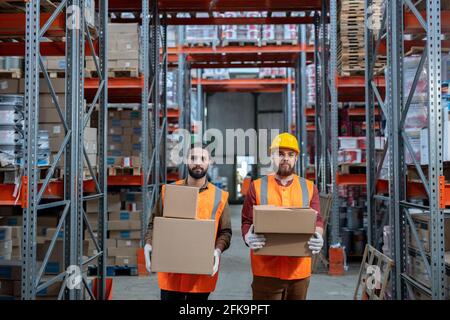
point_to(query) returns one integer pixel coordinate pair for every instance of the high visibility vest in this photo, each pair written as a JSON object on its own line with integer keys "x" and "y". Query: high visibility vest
{"x": 211, "y": 203}
{"x": 298, "y": 194}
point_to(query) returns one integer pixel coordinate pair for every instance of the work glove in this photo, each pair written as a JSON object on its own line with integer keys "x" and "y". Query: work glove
{"x": 217, "y": 254}
{"x": 254, "y": 241}
{"x": 315, "y": 243}
{"x": 147, "y": 254}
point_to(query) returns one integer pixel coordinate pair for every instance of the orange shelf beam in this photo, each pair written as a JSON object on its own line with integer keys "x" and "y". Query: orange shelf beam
{"x": 120, "y": 90}
{"x": 57, "y": 48}
{"x": 14, "y": 24}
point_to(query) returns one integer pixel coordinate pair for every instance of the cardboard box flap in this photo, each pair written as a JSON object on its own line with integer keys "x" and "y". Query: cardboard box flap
{"x": 293, "y": 220}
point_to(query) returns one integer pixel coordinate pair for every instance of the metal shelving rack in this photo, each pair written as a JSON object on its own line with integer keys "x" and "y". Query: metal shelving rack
{"x": 393, "y": 28}
{"x": 74, "y": 121}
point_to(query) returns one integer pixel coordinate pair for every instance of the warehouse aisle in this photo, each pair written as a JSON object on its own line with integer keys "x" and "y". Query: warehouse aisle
{"x": 235, "y": 277}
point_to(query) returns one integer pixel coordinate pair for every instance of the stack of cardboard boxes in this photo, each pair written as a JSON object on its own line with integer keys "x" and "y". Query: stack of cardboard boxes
{"x": 123, "y": 49}
{"x": 179, "y": 236}
{"x": 124, "y": 228}
{"x": 124, "y": 138}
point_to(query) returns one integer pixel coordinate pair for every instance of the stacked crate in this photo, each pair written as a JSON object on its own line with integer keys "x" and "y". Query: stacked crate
{"x": 124, "y": 142}
{"x": 351, "y": 52}
{"x": 241, "y": 34}
{"x": 202, "y": 35}
{"x": 278, "y": 33}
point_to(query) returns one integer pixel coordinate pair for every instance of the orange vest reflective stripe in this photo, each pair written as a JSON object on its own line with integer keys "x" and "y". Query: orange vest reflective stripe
{"x": 210, "y": 206}
{"x": 299, "y": 193}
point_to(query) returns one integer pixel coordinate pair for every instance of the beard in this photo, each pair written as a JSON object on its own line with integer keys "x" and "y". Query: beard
{"x": 285, "y": 170}
{"x": 197, "y": 172}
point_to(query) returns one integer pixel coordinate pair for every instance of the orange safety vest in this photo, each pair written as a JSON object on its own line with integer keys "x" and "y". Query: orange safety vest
{"x": 298, "y": 194}
{"x": 210, "y": 206}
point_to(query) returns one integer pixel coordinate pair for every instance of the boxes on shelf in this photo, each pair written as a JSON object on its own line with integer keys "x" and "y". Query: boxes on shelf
{"x": 422, "y": 226}
{"x": 349, "y": 156}
{"x": 424, "y": 139}
{"x": 287, "y": 230}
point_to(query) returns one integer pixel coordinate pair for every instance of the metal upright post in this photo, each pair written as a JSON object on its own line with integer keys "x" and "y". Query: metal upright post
{"x": 164, "y": 129}
{"x": 325, "y": 106}
{"x": 155, "y": 95}
{"x": 435, "y": 171}
{"x": 335, "y": 227}
{"x": 145, "y": 40}
{"x": 31, "y": 103}
{"x": 370, "y": 139}
{"x": 200, "y": 111}
{"x": 289, "y": 101}
{"x": 397, "y": 179}
{"x": 102, "y": 146}
{"x": 318, "y": 106}
{"x": 184, "y": 115}
{"x": 301, "y": 103}
{"x": 74, "y": 115}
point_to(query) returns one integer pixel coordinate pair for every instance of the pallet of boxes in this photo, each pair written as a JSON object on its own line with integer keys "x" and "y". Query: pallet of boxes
{"x": 10, "y": 253}
{"x": 123, "y": 52}
{"x": 124, "y": 143}
{"x": 124, "y": 232}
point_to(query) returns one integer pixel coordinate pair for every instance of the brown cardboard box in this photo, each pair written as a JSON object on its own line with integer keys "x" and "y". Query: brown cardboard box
{"x": 16, "y": 232}
{"x": 287, "y": 245}
{"x": 124, "y": 225}
{"x": 125, "y": 234}
{"x": 5, "y": 233}
{"x": 11, "y": 270}
{"x": 180, "y": 202}
{"x": 114, "y": 203}
{"x": 5, "y": 247}
{"x": 128, "y": 62}
{"x": 46, "y": 101}
{"x": 9, "y": 86}
{"x": 54, "y": 130}
{"x": 196, "y": 251}
{"x": 422, "y": 226}
{"x": 59, "y": 84}
{"x": 110, "y": 243}
{"x": 126, "y": 261}
{"x": 10, "y": 288}
{"x": 49, "y": 115}
{"x": 128, "y": 131}
{"x": 115, "y": 130}
{"x": 47, "y": 221}
{"x": 122, "y": 252}
{"x": 128, "y": 243}
{"x": 51, "y": 232}
{"x": 287, "y": 230}
{"x": 125, "y": 215}
{"x": 114, "y": 28}
{"x": 273, "y": 219}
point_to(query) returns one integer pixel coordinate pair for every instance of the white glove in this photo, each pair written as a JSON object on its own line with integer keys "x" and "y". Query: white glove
{"x": 217, "y": 254}
{"x": 315, "y": 243}
{"x": 254, "y": 241}
{"x": 147, "y": 254}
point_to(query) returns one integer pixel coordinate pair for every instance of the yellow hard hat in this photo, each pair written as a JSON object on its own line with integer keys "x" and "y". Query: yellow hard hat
{"x": 285, "y": 140}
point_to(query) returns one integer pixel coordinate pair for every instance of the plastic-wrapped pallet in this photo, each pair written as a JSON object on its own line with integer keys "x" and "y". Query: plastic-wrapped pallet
{"x": 216, "y": 74}
{"x": 241, "y": 33}
{"x": 202, "y": 34}
{"x": 272, "y": 73}
{"x": 172, "y": 98}
{"x": 311, "y": 84}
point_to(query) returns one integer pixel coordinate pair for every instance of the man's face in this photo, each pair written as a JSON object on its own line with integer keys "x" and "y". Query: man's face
{"x": 284, "y": 161}
{"x": 198, "y": 162}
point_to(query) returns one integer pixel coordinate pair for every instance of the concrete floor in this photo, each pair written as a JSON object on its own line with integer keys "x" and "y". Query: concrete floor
{"x": 235, "y": 277}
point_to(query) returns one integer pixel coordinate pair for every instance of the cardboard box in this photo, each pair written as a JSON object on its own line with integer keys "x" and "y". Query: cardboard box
{"x": 128, "y": 62}
{"x": 287, "y": 230}
{"x": 9, "y": 86}
{"x": 51, "y": 232}
{"x": 110, "y": 243}
{"x": 49, "y": 115}
{"x": 59, "y": 85}
{"x": 11, "y": 270}
{"x": 125, "y": 215}
{"x": 124, "y": 252}
{"x": 115, "y": 130}
{"x": 126, "y": 261}
{"x": 196, "y": 253}
{"x": 286, "y": 245}
{"x": 180, "y": 202}
{"x": 114, "y": 28}
{"x": 114, "y": 203}
{"x": 54, "y": 130}
{"x": 128, "y": 243}
{"x": 5, "y": 247}
{"x": 47, "y": 221}
{"x": 46, "y": 101}
{"x": 124, "y": 225}
{"x": 10, "y": 288}
{"x": 125, "y": 234}
{"x": 273, "y": 219}
{"x": 422, "y": 226}
{"x": 5, "y": 233}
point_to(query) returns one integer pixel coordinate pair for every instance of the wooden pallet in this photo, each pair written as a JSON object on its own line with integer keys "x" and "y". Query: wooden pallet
{"x": 241, "y": 43}
{"x": 193, "y": 44}
{"x": 114, "y": 73}
{"x": 373, "y": 260}
{"x": 11, "y": 74}
{"x": 124, "y": 171}
{"x": 279, "y": 42}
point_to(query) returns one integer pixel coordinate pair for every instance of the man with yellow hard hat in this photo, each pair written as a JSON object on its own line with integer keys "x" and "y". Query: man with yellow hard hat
{"x": 277, "y": 277}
